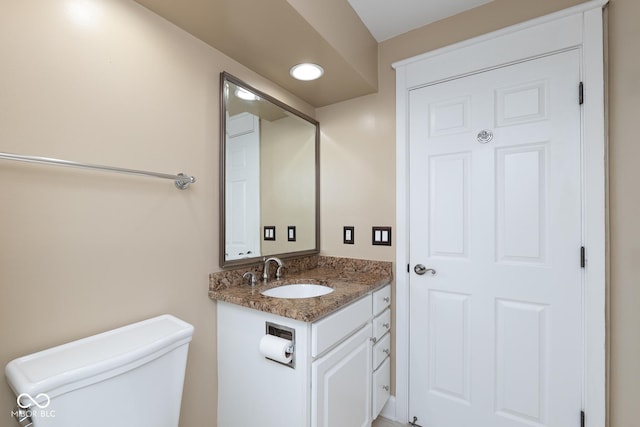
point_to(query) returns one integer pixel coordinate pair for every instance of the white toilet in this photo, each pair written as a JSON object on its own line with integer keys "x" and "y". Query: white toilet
{"x": 126, "y": 377}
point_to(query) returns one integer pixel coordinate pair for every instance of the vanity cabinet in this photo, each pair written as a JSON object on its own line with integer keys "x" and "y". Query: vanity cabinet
{"x": 339, "y": 375}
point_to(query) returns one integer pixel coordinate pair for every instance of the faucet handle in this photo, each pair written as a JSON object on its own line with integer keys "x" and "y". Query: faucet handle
{"x": 251, "y": 278}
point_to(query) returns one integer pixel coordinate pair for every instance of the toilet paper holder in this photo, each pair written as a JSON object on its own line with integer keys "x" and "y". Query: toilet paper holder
{"x": 286, "y": 333}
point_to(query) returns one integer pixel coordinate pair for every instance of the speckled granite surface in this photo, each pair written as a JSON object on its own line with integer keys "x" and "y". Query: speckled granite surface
{"x": 350, "y": 279}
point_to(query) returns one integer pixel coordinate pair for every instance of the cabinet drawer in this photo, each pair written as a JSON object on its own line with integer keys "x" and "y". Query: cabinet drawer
{"x": 381, "y": 351}
{"x": 381, "y": 299}
{"x": 382, "y": 324}
{"x": 381, "y": 388}
{"x": 329, "y": 331}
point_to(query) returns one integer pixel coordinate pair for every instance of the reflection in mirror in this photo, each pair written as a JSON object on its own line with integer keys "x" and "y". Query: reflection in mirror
{"x": 269, "y": 177}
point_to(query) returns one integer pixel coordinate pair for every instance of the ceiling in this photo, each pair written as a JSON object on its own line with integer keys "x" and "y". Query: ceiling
{"x": 270, "y": 36}
{"x": 386, "y": 19}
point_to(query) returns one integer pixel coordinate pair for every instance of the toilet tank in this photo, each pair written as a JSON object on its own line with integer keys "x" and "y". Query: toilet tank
{"x": 126, "y": 377}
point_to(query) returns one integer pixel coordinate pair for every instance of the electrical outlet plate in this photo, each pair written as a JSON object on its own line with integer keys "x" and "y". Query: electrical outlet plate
{"x": 381, "y": 236}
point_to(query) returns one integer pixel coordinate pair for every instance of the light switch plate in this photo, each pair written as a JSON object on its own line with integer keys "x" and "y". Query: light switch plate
{"x": 348, "y": 235}
{"x": 381, "y": 236}
{"x": 269, "y": 232}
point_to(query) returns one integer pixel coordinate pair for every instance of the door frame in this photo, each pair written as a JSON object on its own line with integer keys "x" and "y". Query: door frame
{"x": 579, "y": 27}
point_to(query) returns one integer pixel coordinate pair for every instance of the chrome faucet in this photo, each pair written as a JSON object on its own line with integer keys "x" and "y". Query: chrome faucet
{"x": 265, "y": 271}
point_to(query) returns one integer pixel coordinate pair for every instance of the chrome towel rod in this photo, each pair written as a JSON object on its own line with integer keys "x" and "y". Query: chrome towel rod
{"x": 182, "y": 181}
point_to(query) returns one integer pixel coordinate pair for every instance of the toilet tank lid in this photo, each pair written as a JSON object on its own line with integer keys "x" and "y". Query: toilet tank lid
{"x": 98, "y": 357}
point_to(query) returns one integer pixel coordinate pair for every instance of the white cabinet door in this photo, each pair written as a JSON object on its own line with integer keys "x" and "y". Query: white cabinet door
{"x": 341, "y": 384}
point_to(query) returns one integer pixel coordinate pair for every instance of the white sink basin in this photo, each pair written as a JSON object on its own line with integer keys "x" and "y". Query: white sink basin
{"x": 298, "y": 290}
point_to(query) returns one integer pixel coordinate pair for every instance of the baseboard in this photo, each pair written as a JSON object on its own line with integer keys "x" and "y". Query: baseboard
{"x": 389, "y": 410}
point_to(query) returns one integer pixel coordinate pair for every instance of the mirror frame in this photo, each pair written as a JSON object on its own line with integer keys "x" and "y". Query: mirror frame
{"x": 226, "y": 77}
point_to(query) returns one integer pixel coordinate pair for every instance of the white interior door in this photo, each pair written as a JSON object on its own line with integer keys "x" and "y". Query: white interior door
{"x": 242, "y": 170}
{"x": 496, "y": 333}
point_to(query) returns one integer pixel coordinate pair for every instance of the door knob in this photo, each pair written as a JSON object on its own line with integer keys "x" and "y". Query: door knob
{"x": 421, "y": 269}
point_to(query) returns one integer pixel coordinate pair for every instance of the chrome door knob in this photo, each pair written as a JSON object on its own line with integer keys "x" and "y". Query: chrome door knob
{"x": 421, "y": 269}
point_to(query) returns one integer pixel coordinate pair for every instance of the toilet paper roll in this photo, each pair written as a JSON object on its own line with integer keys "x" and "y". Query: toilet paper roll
{"x": 275, "y": 348}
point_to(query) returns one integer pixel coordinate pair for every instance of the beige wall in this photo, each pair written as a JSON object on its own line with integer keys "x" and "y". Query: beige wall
{"x": 288, "y": 188}
{"x": 81, "y": 251}
{"x": 358, "y": 173}
{"x": 624, "y": 175}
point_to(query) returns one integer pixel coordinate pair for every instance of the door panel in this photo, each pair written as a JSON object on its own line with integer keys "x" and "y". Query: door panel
{"x": 449, "y": 204}
{"x": 495, "y": 209}
{"x": 242, "y": 215}
{"x": 522, "y": 103}
{"x": 521, "y": 359}
{"x": 521, "y": 200}
{"x": 449, "y": 117}
{"x": 450, "y": 346}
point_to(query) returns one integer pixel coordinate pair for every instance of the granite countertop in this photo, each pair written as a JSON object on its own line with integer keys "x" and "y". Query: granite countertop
{"x": 351, "y": 279}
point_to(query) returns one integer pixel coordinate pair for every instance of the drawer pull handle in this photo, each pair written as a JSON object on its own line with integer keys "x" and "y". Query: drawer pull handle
{"x": 387, "y": 351}
{"x": 385, "y": 387}
{"x": 386, "y": 325}
{"x": 386, "y": 299}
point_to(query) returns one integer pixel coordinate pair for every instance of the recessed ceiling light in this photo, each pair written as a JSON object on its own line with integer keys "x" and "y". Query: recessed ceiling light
{"x": 306, "y": 71}
{"x": 245, "y": 94}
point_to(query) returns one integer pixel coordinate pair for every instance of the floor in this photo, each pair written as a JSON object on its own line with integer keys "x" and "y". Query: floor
{"x": 383, "y": 422}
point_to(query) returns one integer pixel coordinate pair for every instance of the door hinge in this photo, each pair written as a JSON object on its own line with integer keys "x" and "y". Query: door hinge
{"x": 582, "y": 257}
{"x": 581, "y": 93}
{"x": 581, "y": 418}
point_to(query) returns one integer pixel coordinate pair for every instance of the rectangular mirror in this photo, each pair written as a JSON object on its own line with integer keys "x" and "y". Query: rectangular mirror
{"x": 269, "y": 177}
